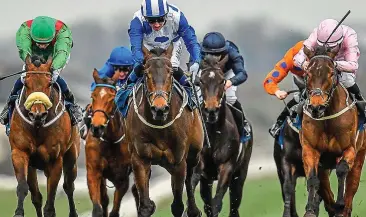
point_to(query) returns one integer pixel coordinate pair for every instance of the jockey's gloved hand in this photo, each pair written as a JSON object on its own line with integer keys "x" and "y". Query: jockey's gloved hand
{"x": 138, "y": 69}
{"x": 194, "y": 69}
{"x": 55, "y": 74}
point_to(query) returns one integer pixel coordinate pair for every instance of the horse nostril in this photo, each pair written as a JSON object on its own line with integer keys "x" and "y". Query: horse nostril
{"x": 166, "y": 108}
{"x": 31, "y": 115}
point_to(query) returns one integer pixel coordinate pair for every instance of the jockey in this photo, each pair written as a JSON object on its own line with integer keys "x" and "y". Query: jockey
{"x": 214, "y": 43}
{"x": 158, "y": 24}
{"x": 278, "y": 73}
{"x": 346, "y": 61}
{"x": 120, "y": 61}
{"x": 44, "y": 36}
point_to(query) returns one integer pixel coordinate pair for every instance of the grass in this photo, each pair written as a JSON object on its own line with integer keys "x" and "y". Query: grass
{"x": 262, "y": 198}
{"x": 8, "y": 203}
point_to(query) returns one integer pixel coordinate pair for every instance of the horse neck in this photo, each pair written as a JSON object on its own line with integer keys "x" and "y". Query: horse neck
{"x": 338, "y": 101}
{"x": 114, "y": 128}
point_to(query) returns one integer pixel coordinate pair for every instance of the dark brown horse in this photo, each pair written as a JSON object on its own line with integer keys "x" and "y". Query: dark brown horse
{"x": 161, "y": 130}
{"x": 227, "y": 160}
{"x": 42, "y": 137}
{"x": 107, "y": 155}
{"x": 330, "y": 132}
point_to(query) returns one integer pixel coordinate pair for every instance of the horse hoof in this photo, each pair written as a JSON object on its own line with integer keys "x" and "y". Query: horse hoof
{"x": 185, "y": 214}
{"x": 18, "y": 216}
{"x": 310, "y": 214}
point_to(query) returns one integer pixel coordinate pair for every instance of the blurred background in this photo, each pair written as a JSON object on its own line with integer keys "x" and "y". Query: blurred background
{"x": 263, "y": 30}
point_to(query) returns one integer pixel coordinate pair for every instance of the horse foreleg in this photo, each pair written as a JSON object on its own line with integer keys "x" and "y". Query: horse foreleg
{"x": 178, "y": 177}
{"x": 70, "y": 173}
{"x": 206, "y": 195}
{"x": 120, "y": 191}
{"x": 288, "y": 188}
{"x": 224, "y": 179}
{"x": 353, "y": 181}
{"x": 342, "y": 169}
{"x": 104, "y": 197}
{"x": 53, "y": 172}
{"x": 236, "y": 191}
{"x": 192, "y": 163}
{"x": 20, "y": 163}
{"x": 325, "y": 192}
{"x": 33, "y": 188}
{"x": 141, "y": 170}
{"x": 311, "y": 158}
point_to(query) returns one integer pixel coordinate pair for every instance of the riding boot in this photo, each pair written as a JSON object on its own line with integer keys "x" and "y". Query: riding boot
{"x": 5, "y": 113}
{"x": 354, "y": 89}
{"x": 274, "y": 130}
{"x": 75, "y": 109}
{"x": 241, "y": 122}
{"x": 179, "y": 75}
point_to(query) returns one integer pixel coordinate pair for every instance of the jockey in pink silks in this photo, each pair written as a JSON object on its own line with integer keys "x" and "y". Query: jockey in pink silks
{"x": 346, "y": 60}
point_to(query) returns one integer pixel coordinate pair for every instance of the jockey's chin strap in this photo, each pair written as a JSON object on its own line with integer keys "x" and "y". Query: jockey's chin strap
{"x": 318, "y": 91}
{"x": 109, "y": 117}
{"x": 59, "y": 114}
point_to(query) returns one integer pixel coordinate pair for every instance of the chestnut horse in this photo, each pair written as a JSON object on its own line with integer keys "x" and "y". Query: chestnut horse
{"x": 227, "y": 159}
{"x": 106, "y": 150}
{"x": 161, "y": 130}
{"x": 42, "y": 137}
{"x": 330, "y": 132}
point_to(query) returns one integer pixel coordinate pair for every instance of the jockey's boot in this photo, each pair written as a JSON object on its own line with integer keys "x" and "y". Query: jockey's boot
{"x": 354, "y": 89}
{"x": 183, "y": 80}
{"x": 240, "y": 120}
{"x": 75, "y": 109}
{"x": 274, "y": 130}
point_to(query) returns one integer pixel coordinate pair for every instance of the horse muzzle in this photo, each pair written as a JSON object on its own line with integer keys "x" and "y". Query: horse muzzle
{"x": 97, "y": 131}
{"x": 160, "y": 113}
{"x": 211, "y": 115}
{"x": 317, "y": 111}
{"x": 38, "y": 118}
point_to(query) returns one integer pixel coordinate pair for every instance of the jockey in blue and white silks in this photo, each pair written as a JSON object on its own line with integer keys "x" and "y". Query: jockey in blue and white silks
{"x": 157, "y": 24}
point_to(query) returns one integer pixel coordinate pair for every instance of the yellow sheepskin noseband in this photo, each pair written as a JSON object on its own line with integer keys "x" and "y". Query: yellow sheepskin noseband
{"x": 37, "y": 98}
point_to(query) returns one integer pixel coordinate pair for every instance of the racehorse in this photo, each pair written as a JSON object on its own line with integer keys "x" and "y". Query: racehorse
{"x": 107, "y": 155}
{"x": 162, "y": 130}
{"x": 330, "y": 131}
{"x": 288, "y": 158}
{"x": 227, "y": 159}
{"x": 42, "y": 137}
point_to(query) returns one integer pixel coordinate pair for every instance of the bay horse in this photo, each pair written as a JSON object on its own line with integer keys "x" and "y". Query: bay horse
{"x": 227, "y": 160}
{"x": 107, "y": 155}
{"x": 162, "y": 130}
{"x": 330, "y": 131}
{"x": 287, "y": 155}
{"x": 41, "y": 137}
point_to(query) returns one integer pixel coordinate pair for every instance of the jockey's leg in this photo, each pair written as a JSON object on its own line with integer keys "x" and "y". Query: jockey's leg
{"x": 349, "y": 82}
{"x": 297, "y": 83}
{"x": 5, "y": 115}
{"x": 69, "y": 97}
{"x": 237, "y": 110}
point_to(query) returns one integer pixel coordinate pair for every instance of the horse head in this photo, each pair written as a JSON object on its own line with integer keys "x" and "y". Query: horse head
{"x": 38, "y": 85}
{"x": 158, "y": 80}
{"x": 212, "y": 83}
{"x": 321, "y": 79}
{"x": 103, "y": 106}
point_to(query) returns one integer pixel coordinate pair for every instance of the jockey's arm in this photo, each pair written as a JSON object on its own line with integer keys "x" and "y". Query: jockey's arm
{"x": 24, "y": 41}
{"x": 351, "y": 55}
{"x": 62, "y": 48}
{"x": 310, "y": 43}
{"x": 190, "y": 39}
{"x": 280, "y": 71}
{"x": 238, "y": 68}
{"x": 136, "y": 37}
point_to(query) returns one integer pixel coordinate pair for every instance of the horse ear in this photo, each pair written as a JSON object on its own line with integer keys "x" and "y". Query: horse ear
{"x": 96, "y": 76}
{"x": 308, "y": 52}
{"x": 28, "y": 60}
{"x": 223, "y": 62}
{"x": 49, "y": 60}
{"x": 169, "y": 51}
{"x": 146, "y": 52}
{"x": 333, "y": 52}
{"x": 115, "y": 78}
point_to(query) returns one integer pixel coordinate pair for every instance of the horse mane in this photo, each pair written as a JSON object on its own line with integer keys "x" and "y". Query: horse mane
{"x": 38, "y": 60}
{"x": 211, "y": 60}
{"x": 321, "y": 50}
